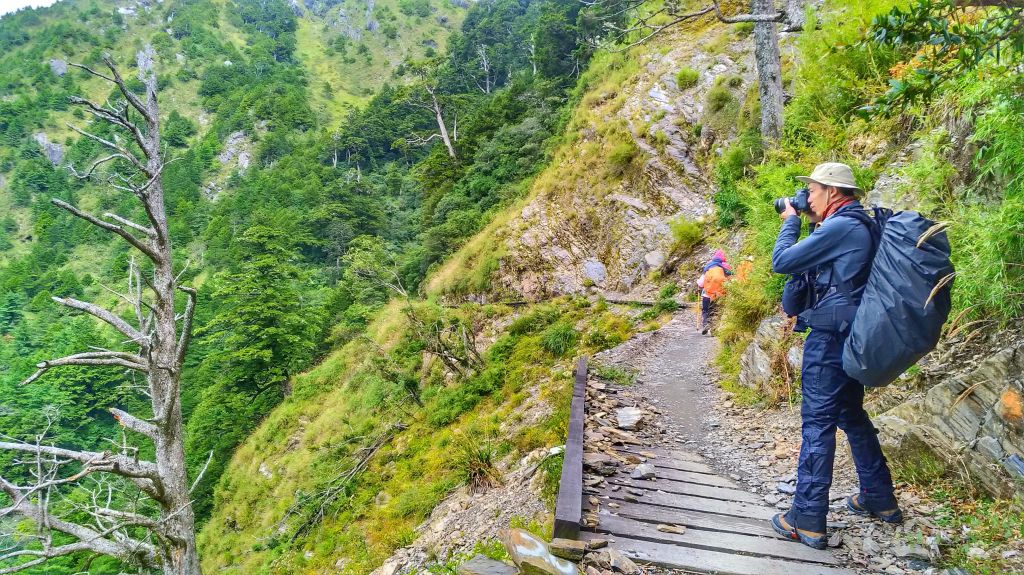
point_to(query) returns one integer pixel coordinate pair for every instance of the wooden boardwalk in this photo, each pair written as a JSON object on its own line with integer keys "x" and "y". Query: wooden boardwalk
{"x": 688, "y": 517}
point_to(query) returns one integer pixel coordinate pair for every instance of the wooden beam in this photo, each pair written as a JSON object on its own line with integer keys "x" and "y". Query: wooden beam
{"x": 704, "y": 561}
{"x": 569, "y": 505}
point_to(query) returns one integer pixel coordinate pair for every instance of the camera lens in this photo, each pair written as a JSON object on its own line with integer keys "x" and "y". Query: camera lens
{"x": 780, "y": 205}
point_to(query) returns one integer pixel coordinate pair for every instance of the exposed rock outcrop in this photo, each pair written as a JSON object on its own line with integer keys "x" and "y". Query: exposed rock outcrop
{"x": 584, "y": 229}
{"x": 58, "y": 66}
{"x": 760, "y": 360}
{"x": 53, "y": 151}
{"x": 972, "y": 421}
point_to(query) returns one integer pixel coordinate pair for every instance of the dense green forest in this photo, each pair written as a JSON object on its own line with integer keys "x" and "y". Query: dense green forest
{"x": 269, "y": 251}
{"x": 329, "y": 158}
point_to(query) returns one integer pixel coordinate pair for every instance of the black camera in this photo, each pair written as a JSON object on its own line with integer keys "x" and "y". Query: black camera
{"x": 798, "y": 201}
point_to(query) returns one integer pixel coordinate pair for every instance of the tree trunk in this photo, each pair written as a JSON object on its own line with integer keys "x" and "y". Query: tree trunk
{"x": 440, "y": 124}
{"x": 794, "y": 16}
{"x": 769, "y": 71}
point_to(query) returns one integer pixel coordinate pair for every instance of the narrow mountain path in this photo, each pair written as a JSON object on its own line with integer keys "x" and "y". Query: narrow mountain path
{"x": 649, "y": 493}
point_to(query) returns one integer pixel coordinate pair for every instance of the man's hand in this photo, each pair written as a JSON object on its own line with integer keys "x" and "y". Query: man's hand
{"x": 789, "y": 211}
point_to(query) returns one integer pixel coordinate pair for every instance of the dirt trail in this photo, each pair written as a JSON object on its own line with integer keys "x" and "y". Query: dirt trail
{"x": 758, "y": 447}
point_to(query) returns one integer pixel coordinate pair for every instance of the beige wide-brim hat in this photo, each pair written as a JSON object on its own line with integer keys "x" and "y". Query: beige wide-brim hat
{"x": 831, "y": 174}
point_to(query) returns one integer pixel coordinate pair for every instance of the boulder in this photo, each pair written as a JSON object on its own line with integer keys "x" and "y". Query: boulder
{"x": 480, "y": 565}
{"x": 58, "y": 66}
{"x": 531, "y": 554}
{"x": 971, "y": 420}
{"x": 595, "y": 271}
{"x": 54, "y": 152}
{"x": 655, "y": 259}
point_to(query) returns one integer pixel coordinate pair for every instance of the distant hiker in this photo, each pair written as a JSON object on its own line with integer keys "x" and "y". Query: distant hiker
{"x": 829, "y": 269}
{"x": 712, "y": 284}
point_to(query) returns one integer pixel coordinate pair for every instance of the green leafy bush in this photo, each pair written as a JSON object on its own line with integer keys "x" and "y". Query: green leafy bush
{"x": 621, "y": 156}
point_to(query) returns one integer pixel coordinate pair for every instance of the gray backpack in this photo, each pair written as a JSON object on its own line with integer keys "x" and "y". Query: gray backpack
{"x": 906, "y": 300}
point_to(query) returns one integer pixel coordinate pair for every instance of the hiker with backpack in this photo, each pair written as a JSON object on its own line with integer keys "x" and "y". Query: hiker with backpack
{"x": 829, "y": 270}
{"x": 712, "y": 286}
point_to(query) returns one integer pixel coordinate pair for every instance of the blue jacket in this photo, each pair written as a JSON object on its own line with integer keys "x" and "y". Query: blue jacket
{"x": 839, "y": 250}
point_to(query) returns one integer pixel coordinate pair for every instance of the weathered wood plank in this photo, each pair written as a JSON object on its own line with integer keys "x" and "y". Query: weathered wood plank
{"x": 692, "y": 477}
{"x": 662, "y": 454}
{"x": 674, "y": 500}
{"x": 715, "y": 541}
{"x": 668, "y": 486}
{"x": 690, "y": 466}
{"x": 690, "y": 518}
{"x": 569, "y": 504}
{"x": 683, "y": 465}
{"x": 704, "y": 561}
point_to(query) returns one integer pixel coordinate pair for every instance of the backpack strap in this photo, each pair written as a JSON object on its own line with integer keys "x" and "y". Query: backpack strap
{"x": 839, "y": 318}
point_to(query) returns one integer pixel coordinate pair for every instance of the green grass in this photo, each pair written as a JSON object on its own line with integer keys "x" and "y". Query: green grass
{"x": 458, "y": 437}
{"x": 687, "y": 78}
{"x": 686, "y": 234}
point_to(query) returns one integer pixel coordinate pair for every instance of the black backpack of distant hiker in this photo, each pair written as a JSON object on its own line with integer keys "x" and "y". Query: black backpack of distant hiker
{"x": 906, "y": 300}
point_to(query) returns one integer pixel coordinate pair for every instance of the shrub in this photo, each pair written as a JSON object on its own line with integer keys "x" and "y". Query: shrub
{"x": 534, "y": 320}
{"x": 609, "y": 330}
{"x": 559, "y": 339}
{"x": 687, "y": 78}
{"x": 686, "y": 234}
{"x": 474, "y": 459}
{"x": 718, "y": 98}
{"x": 621, "y": 156}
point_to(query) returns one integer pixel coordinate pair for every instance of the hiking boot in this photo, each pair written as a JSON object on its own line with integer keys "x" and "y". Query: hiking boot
{"x": 704, "y": 331}
{"x": 808, "y": 538}
{"x": 893, "y": 515}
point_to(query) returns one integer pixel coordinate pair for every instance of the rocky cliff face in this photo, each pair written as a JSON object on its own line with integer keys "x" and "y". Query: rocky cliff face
{"x": 972, "y": 420}
{"x": 576, "y": 232}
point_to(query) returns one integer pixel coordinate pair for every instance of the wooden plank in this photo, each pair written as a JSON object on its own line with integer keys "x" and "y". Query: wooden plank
{"x": 569, "y": 504}
{"x": 691, "y": 466}
{"x": 692, "y": 477}
{"x": 704, "y": 561}
{"x": 715, "y": 541}
{"x": 690, "y": 518}
{"x": 693, "y": 502}
{"x": 681, "y": 465}
{"x": 668, "y": 486}
{"x": 662, "y": 454}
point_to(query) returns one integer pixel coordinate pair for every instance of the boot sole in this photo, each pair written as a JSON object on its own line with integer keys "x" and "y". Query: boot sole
{"x": 820, "y": 543}
{"x": 896, "y": 517}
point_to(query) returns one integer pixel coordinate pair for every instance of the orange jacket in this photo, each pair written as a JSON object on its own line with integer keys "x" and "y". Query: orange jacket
{"x": 714, "y": 283}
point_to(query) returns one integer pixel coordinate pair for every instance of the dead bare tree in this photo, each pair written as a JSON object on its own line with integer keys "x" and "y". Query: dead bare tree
{"x": 645, "y": 25}
{"x": 425, "y": 94}
{"x": 158, "y": 336}
{"x": 433, "y": 105}
{"x": 485, "y": 67}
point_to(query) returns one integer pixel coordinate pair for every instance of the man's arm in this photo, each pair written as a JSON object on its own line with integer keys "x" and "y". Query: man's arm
{"x": 793, "y": 257}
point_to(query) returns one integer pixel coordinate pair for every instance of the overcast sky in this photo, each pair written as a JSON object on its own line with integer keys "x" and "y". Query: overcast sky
{"x": 12, "y": 5}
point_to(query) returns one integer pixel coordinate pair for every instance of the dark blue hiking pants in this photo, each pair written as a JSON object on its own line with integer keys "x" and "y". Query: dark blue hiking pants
{"x": 830, "y": 399}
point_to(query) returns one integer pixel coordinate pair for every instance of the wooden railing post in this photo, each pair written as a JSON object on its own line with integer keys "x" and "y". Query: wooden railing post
{"x": 569, "y": 505}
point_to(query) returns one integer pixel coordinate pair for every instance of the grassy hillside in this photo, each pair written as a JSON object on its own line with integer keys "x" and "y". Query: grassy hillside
{"x": 348, "y": 63}
{"x": 515, "y": 401}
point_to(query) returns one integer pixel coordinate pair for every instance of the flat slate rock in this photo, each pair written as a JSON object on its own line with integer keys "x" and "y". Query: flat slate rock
{"x": 481, "y": 565}
{"x": 629, "y": 418}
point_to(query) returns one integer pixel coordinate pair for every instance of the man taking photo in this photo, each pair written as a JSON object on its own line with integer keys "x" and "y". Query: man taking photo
{"x": 831, "y": 265}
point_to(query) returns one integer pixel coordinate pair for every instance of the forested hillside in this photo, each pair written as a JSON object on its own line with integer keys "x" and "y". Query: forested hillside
{"x": 294, "y": 133}
{"x": 392, "y": 210}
